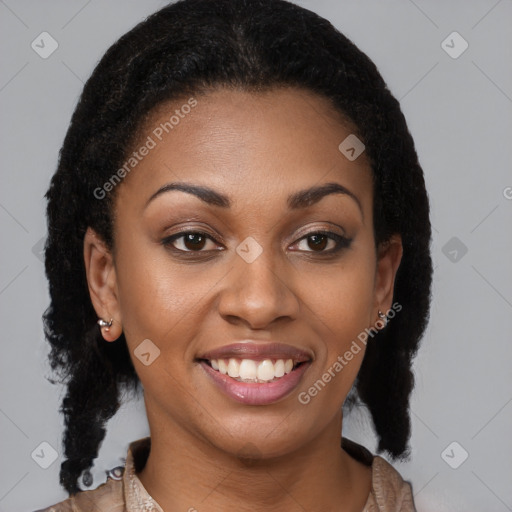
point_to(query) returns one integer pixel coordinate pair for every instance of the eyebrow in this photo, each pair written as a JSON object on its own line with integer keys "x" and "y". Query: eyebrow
{"x": 301, "y": 199}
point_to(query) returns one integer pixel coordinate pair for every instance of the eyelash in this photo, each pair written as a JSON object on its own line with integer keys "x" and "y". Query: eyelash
{"x": 341, "y": 242}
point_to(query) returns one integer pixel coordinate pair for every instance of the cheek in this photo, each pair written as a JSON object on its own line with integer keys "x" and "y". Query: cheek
{"x": 164, "y": 301}
{"x": 343, "y": 298}
{"x": 342, "y": 307}
{"x": 152, "y": 294}
{"x": 160, "y": 304}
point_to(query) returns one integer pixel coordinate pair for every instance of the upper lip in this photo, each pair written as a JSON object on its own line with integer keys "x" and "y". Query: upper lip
{"x": 250, "y": 349}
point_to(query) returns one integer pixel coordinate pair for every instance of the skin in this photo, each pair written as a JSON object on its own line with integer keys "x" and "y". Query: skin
{"x": 256, "y": 148}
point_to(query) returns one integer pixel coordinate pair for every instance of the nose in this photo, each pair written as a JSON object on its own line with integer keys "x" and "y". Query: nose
{"x": 259, "y": 293}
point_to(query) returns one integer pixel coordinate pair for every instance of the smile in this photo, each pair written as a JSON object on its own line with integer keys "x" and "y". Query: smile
{"x": 254, "y": 373}
{"x": 249, "y": 370}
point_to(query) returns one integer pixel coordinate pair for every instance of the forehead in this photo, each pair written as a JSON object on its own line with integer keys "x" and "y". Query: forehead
{"x": 253, "y": 146}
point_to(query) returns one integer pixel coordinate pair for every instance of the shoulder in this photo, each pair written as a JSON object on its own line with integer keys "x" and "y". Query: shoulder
{"x": 62, "y": 506}
{"x": 107, "y": 496}
{"x": 391, "y": 492}
{"x": 114, "y": 495}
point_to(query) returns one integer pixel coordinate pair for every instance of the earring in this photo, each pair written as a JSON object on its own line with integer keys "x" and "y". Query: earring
{"x": 104, "y": 324}
{"x": 383, "y": 318}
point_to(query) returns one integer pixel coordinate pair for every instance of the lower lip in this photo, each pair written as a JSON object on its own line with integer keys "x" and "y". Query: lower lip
{"x": 256, "y": 393}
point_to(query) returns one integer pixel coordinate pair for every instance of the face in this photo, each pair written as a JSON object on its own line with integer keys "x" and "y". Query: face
{"x": 255, "y": 278}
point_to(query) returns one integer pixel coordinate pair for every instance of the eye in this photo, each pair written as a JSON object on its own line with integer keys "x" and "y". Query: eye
{"x": 320, "y": 239}
{"x": 195, "y": 241}
{"x": 189, "y": 241}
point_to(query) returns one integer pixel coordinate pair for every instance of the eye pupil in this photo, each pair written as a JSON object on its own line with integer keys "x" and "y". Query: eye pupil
{"x": 191, "y": 237}
{"x": 319, "y": 244}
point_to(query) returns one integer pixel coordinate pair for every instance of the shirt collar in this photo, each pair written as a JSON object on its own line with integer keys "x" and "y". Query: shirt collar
{"x": 136, "y": 498}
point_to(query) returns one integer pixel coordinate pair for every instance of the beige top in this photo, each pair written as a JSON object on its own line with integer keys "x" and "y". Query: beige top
{"x": 389, "y": 493}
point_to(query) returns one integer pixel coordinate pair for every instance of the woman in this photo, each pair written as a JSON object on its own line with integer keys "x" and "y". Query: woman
{"x": 239, "y": 206}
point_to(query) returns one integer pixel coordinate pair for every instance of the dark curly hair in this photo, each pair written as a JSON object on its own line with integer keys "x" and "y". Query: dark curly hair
{"x": 190, "y": 47}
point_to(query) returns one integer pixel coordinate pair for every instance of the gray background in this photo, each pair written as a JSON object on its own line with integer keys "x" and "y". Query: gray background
{"x": 459, "y": 113}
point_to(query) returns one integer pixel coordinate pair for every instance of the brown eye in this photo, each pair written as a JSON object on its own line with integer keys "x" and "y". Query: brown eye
{"x": 189, "y": 241}
{"x": 319, "y": 240}
{"x": 194, "y": 241}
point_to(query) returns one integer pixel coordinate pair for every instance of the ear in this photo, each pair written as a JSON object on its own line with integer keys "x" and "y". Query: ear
{"x": 388, "y": 260}
{"x": 102, "y": 283}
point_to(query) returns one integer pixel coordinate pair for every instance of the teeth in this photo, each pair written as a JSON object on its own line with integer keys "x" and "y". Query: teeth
{"x": 279, "y": 368}
{"x": 248, "y": 369}
{"x": 223, "y": 367}
{"x": 266, "y": 370}
{"x": 233, "y": 368}
{"x": 253, "y": 371}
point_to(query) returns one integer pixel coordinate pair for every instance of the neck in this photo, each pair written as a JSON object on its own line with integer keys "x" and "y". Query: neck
{"x": 183, "y": 472}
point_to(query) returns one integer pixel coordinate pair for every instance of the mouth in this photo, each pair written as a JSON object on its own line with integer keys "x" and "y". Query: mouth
{"x": 256, "y": 374}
